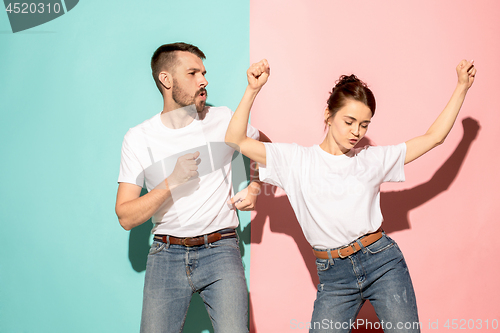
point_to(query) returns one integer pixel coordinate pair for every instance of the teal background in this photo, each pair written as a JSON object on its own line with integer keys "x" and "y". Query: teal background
{"x": 70, "y": 89}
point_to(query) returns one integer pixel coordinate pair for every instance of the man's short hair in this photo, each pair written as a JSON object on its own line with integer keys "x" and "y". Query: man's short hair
{"x": 165, "y": 58}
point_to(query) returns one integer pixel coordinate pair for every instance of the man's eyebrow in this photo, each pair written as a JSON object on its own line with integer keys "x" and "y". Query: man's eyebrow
{"x": 196, "y": 70}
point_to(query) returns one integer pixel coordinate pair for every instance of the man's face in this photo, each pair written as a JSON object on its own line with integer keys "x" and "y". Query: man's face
{"x": 189, "y": 81}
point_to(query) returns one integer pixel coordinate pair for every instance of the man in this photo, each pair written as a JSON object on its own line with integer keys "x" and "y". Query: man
{"x": 181, "y": 157}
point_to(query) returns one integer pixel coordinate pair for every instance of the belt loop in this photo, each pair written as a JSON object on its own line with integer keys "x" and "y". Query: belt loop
{"x": 168, "y": 241}
{"x": 361, "y": 246}
{"x": 205, "y": 239}
{"x": 330, "y": 259}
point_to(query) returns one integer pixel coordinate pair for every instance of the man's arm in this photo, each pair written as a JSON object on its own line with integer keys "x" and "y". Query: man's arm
{"x": 133, "y": 210}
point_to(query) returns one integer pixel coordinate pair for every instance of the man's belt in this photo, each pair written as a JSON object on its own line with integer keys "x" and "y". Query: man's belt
{"x": 199, "y": 240}
{"x": 351, "y": 248}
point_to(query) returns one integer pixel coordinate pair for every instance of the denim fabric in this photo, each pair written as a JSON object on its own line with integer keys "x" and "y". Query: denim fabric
{"x": 377, "y": 273}
{"x": 175, "y": 272}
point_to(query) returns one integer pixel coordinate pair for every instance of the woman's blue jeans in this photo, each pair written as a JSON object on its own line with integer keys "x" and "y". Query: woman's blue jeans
{"x": 377, "y": 273}
{"x": 175, "y": 272}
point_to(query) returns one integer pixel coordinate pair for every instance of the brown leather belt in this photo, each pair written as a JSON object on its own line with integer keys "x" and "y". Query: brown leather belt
{"x": 199, "y": 240}
{"x": 351, "y": 248}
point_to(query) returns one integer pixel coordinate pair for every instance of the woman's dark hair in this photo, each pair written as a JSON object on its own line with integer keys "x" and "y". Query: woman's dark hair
{"x": 350, "y": 87}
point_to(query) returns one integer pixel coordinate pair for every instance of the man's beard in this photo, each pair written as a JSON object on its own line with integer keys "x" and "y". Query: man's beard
{"x": 183, "y": 99}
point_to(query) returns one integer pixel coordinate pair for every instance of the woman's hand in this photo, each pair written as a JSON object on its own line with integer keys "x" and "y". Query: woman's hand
{"x": 257, "y": 74}
{"x": 466, "y": 73}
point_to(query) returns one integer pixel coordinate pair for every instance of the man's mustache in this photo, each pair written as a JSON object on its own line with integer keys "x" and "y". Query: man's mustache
{"x": 202, "y": 90}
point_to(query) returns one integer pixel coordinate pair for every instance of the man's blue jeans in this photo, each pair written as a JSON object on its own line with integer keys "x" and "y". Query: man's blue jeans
{"x": 377, "y": 273}
{"x": 175, "y": 272}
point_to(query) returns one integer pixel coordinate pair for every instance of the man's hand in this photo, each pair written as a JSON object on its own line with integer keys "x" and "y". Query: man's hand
{"x": 246, "y": 199}
{"x": 185, "y": 169}
{"x": 466, "y": 73}
{"x": 258, "y": 74}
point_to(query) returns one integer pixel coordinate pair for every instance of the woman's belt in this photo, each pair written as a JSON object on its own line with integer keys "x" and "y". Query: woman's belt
{"x": 349, "y": 249}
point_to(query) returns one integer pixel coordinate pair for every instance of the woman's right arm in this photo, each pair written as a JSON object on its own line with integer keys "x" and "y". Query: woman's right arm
{"x": 236, "y": 133}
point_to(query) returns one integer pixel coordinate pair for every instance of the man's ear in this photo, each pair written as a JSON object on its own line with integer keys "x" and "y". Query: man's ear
{"x": 166, "y": 79}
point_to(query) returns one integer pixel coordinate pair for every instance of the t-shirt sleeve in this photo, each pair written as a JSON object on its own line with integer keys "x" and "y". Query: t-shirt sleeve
{"x": 131, "y": 170}
{"x": 279, "y": 161}
{"x": 393, "y": 159}
{"x": 252, "y": 132}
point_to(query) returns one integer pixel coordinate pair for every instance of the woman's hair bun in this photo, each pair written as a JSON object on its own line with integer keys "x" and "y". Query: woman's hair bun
{"x": 346, "y": 79}
{"x": 350, "y": 87}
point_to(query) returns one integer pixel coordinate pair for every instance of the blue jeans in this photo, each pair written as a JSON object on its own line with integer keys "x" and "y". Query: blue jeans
{"x": 175, "y": 272}
{"x": 377, "y": 273}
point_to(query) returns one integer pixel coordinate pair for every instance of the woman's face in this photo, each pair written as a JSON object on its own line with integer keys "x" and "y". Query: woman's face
{"x": 348, "y": 125}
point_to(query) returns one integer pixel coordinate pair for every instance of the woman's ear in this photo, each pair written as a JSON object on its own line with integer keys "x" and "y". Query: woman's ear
{"x": 327, "y": 116}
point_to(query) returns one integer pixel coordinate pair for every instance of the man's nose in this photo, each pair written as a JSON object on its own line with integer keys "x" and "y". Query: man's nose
{"x": 203, "y": 82}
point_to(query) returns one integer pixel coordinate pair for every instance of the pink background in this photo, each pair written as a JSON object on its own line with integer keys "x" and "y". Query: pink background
{"x": 445, "y": 216}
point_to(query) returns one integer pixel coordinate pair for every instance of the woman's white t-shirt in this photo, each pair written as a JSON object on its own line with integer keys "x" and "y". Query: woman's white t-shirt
{"x": 336, "y": 198}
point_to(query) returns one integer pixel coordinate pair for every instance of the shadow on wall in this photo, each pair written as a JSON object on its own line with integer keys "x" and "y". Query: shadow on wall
{"x": 139, "y": 243}
{"x": 395, "y": 206}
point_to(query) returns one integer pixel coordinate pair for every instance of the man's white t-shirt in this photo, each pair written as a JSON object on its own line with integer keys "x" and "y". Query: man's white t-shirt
{"x": 336, "y": 198}
{"x": 149, "y": 154}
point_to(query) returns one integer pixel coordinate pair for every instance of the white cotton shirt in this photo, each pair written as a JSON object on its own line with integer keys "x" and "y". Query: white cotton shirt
{"x": 149, "y": 154}
{"x": 336, "y": 198}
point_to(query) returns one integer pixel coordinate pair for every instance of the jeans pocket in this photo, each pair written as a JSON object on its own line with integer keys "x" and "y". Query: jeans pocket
{"x": 232, "y": 242}
{"x": 382, "y": 244}
{"x": 156, "y": 247}
{"x": 322, "y": 265}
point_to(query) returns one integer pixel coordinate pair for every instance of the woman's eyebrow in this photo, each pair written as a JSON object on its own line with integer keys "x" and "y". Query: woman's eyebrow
{"x": 354, "y": 119}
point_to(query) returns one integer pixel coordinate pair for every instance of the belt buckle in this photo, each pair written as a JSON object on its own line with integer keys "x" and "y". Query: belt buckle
{"x": 345, "y": 247}
{"x": 183, "y": 241}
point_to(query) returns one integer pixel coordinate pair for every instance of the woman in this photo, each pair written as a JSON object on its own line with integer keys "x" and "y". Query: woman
{"x": 334, "y": 190}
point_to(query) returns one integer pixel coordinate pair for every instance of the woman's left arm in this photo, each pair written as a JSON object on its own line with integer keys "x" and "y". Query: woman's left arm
{"x": 437, "y": 133}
